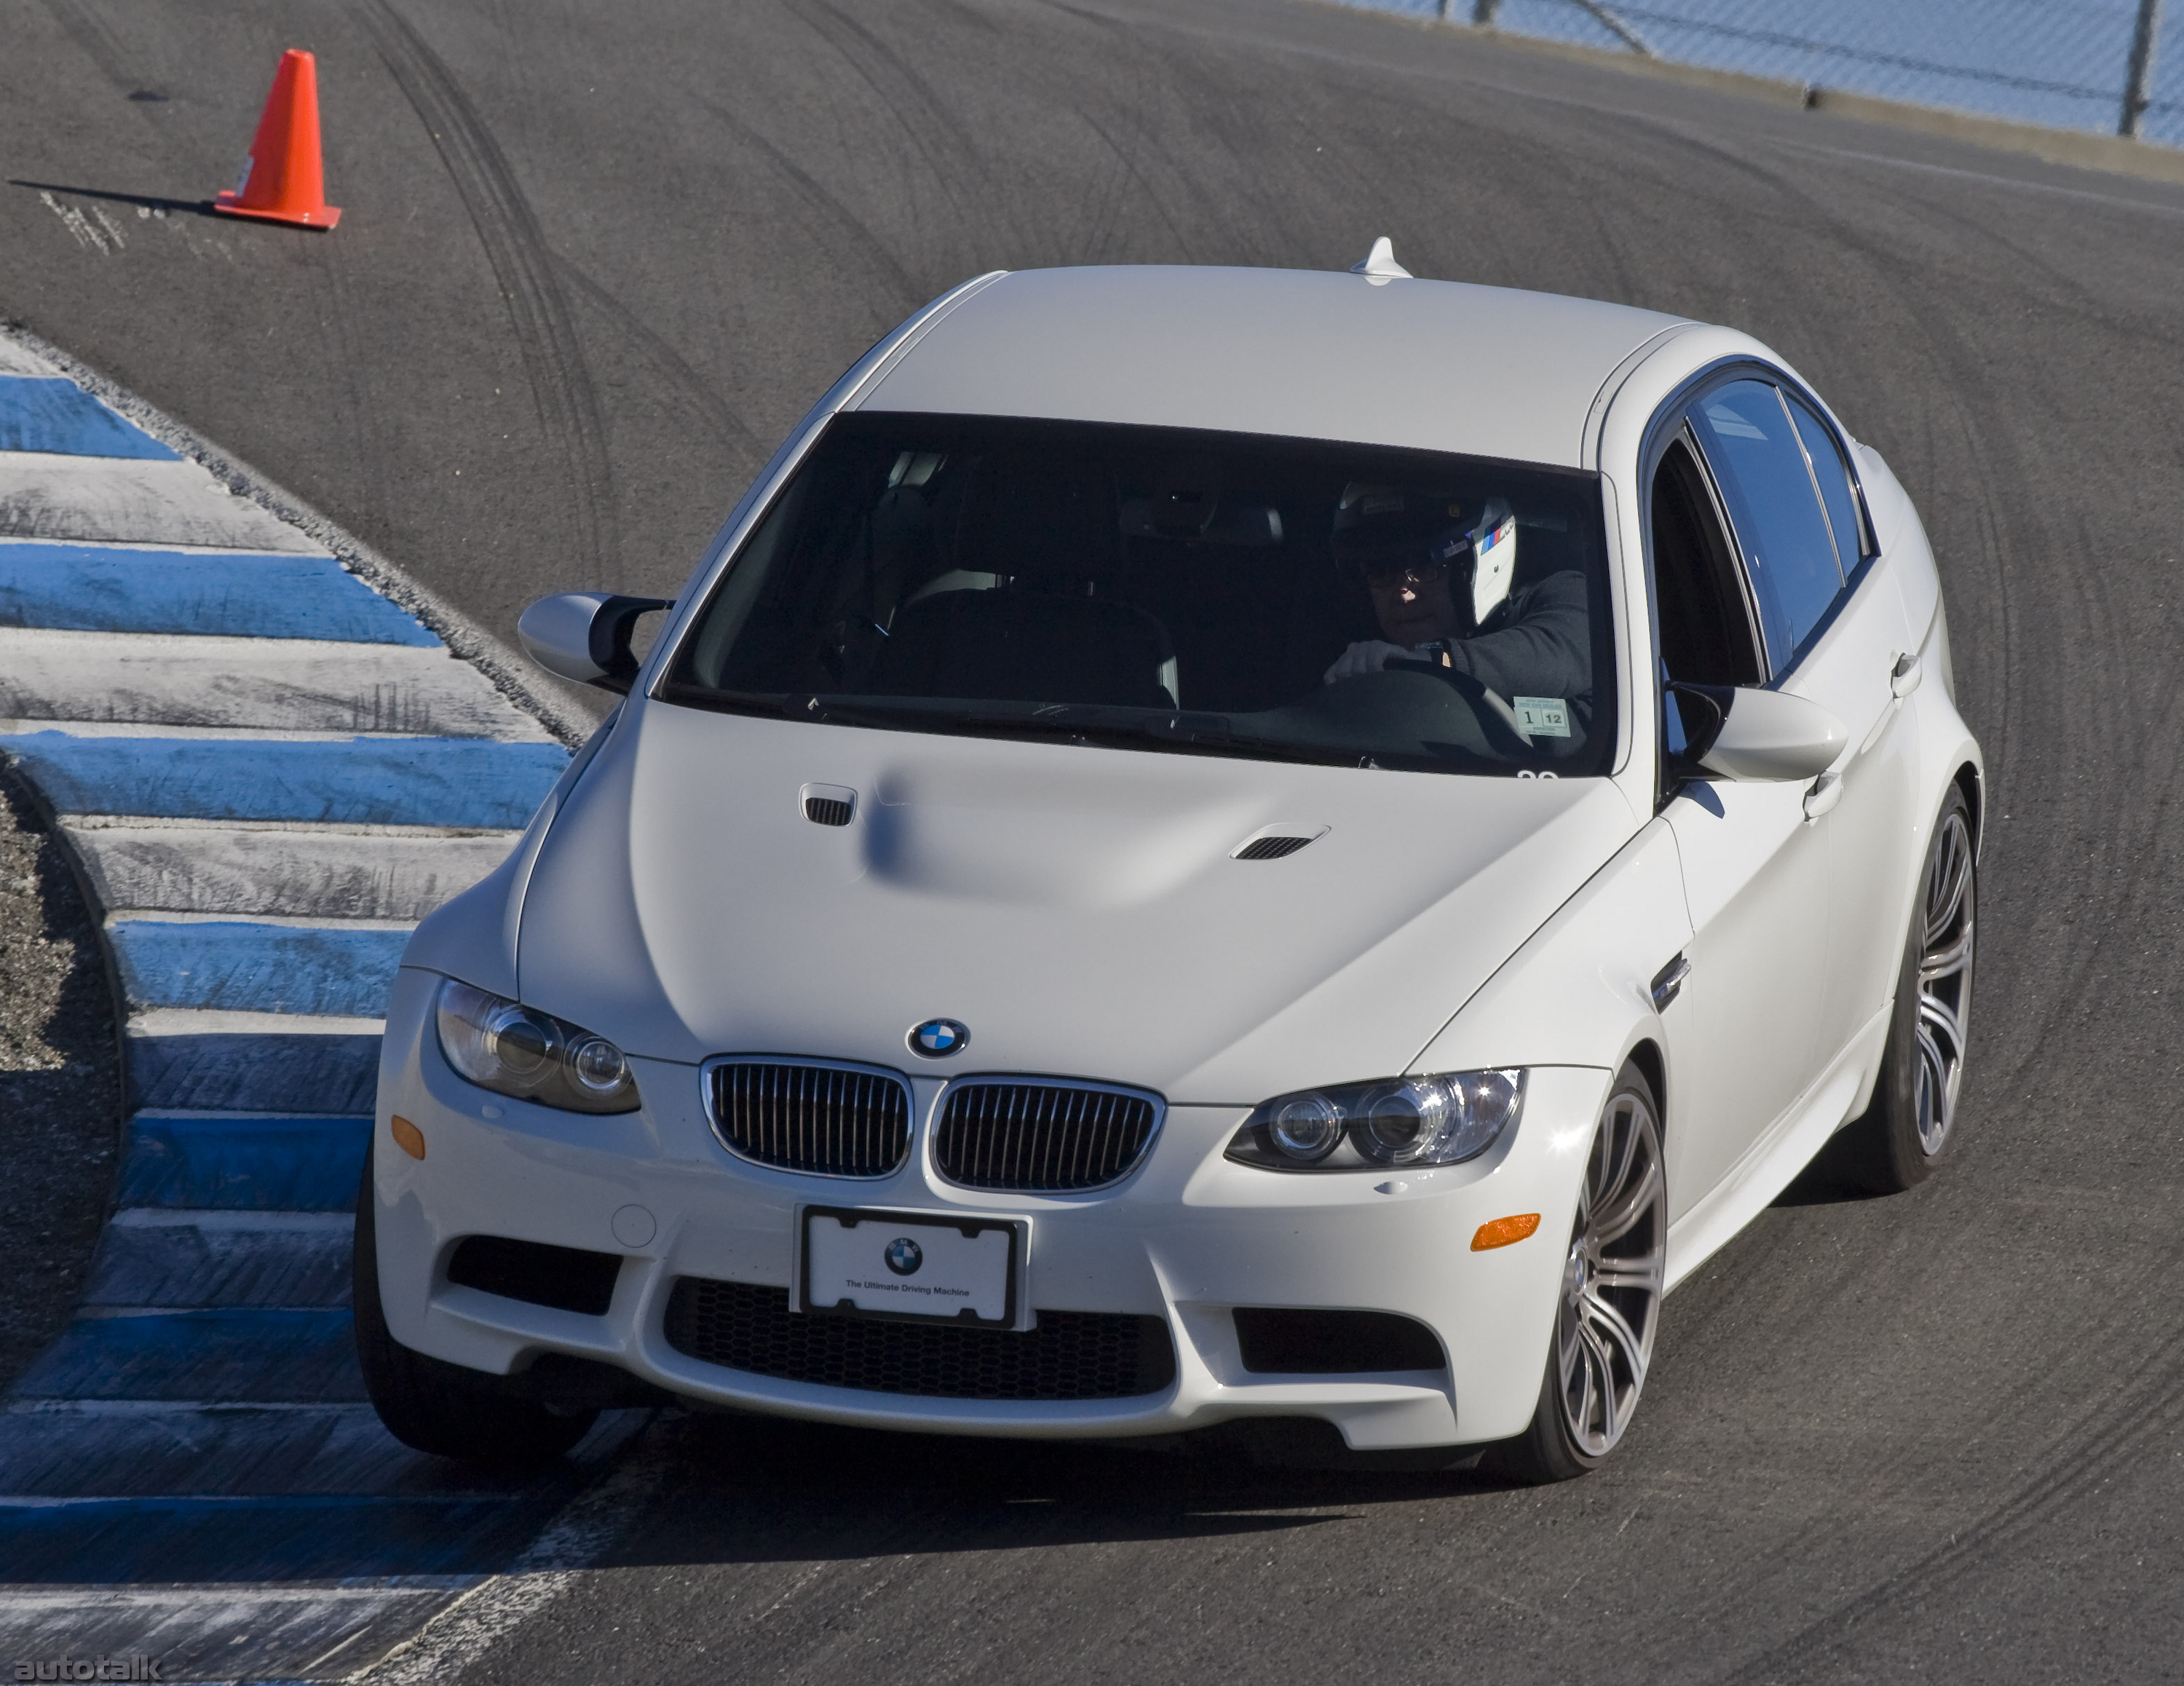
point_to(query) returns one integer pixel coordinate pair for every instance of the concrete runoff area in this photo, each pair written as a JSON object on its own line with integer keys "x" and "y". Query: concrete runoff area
{"x": 593, "y": 265}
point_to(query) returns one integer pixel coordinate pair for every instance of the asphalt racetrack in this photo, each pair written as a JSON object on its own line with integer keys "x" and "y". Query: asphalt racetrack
{"x": 595, "y": 262}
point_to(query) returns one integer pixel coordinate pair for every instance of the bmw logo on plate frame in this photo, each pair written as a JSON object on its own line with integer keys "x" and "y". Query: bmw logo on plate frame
{"x": 938, "y": 1038}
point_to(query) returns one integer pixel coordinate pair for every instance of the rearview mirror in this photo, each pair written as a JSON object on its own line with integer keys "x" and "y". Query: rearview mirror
{"x": 585, "y": 636}
{"x": 1742, "y": 732}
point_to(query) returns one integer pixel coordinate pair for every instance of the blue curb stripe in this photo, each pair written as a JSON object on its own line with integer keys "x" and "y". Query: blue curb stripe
{"x": 218, "y": 1449}
{"x": 58, "y": 416}
{"x": 98, "y": 588}
{"x": 181, "y": 1266}
{"x": 270, "y": 1165}
{"x": 254, "y": 1073}
{"x": 277, "y": 1540}
{"x": 362, "y": 781}
{"x": 266, "y": 1356}
{"x": 243, "y": 967}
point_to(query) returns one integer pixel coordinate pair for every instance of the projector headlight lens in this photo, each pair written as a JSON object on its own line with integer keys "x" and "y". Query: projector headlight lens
{"x": 1439, "y": 1119}
{"x": 513, "y": 1049}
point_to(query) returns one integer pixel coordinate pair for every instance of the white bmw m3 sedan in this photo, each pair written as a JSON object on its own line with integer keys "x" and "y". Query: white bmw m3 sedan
{"x": 1208, "y": 849}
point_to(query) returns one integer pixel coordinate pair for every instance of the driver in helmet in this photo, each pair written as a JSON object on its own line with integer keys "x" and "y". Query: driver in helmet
{"x": 1439, "y": 570}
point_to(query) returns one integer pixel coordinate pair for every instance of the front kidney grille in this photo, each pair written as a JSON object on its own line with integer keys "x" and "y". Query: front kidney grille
{"x": 1040, "y": 1138}
{"x": 835, "y": 1120}
{"x": 1070, "y": 1356}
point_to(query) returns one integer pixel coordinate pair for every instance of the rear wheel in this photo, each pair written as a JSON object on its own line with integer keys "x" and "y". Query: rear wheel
{"x": 1895, "y": 1143}
{"x": 439, "y": 1407}
{"x": 1610, "y": 1302}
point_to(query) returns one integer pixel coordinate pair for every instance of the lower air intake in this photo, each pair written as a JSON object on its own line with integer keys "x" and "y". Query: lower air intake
{"x": 566, "y": 1278}
{"x": 1301, "y": 1343}
{"x": 1070, "y": 1356}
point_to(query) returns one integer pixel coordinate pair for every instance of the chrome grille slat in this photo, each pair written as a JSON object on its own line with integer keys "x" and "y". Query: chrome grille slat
{"x": 837, "y": 1121}
{"x": 1040, "y": 1137}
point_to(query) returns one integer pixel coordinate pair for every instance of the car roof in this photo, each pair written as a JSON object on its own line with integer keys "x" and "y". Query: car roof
{"x": 1434, "y": 365}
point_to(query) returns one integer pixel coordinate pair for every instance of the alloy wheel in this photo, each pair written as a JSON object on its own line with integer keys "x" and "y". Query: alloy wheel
{"x": 1611, "y": 1279}
{"x": 1945, "y": 979}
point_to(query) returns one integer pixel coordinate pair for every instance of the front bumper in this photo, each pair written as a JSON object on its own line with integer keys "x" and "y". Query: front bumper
{"x": 1188, "y": 1238}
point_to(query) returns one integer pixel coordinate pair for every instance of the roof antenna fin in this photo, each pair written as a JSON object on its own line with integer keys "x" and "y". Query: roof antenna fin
{"x": 1380, "y": 266}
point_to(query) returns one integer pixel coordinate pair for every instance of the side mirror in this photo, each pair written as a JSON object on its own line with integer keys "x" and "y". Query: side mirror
{"x": 584, "y": 636}
{"x": 1742, "y": 732}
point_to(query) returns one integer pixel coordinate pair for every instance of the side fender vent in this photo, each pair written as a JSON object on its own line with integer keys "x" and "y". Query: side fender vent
{"x": 828, "y": 804}
{"x": 1272, "y": 842}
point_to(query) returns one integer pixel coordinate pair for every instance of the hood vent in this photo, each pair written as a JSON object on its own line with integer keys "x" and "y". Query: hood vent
{"x": 1272, "y": 842}
{"x": 828, "y": 804}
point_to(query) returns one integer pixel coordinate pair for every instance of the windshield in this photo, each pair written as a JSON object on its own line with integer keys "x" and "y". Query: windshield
{"x": 1210, "y": 592}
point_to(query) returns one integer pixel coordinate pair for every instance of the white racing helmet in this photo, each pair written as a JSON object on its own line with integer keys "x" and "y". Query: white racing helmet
{"x": 1389, "y": 526}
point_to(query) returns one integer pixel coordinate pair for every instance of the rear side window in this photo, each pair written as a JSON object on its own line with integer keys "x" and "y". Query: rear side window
{"x": 1748, "y": 435}
{"x": 1833, "y": 474}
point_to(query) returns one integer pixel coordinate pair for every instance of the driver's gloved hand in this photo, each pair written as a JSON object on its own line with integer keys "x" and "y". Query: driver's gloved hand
{"x": 1369, "y": 656}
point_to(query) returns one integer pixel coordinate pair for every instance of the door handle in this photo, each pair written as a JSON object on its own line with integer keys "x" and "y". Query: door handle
{"x": 1826, "y": 791}
{"x": 1668, "y": 981}
{"x": 1903, "y": 678}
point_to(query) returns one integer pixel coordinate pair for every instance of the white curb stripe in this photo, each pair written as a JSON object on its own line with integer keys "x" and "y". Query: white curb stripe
{"x": 108, "y": 499}
{"x": 287, "y": 683}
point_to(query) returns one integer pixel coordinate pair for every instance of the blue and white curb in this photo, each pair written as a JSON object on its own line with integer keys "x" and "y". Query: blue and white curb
{"x": 268, "y": 770}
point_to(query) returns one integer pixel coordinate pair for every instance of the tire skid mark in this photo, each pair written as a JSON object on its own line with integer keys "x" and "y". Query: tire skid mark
{"x": 927, "y": 119}
{"x": 2147, "y": 1406}
{"x": 698, "y": 394}
{"x": 515, "y": 247}
{"x": 907, "y": 292}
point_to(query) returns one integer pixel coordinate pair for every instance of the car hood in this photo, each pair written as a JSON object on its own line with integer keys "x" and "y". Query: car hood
{"x": 1077, "y": 907}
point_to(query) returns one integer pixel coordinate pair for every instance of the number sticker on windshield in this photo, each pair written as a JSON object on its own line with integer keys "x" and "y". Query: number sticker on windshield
{"x": 1543, "y": 716}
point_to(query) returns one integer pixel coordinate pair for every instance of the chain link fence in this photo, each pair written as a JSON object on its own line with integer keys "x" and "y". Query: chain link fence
{"x": 2088, "y": 65}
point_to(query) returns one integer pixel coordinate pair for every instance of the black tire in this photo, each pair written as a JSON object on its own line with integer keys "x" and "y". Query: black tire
{"x": 1610, "y": 1306}
{"x": 1896, "y": 1142}
{"x": 439, "y": 1407}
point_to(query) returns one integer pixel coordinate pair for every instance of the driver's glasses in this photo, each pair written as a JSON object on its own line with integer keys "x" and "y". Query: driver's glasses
{"x": 1387, "y": 576}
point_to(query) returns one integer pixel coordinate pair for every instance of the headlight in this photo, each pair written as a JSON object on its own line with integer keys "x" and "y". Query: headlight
{"x": 1394, "y": 1120}
{"x": 516, "y": 1050}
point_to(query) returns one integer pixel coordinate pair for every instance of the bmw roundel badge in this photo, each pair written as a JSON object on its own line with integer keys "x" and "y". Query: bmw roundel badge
{"x": 937, "y": 1038}
{"x": 904, "y": 1256}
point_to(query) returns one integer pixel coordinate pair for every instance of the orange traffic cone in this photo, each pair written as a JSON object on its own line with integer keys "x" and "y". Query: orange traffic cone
{"x": 283, "y": 179}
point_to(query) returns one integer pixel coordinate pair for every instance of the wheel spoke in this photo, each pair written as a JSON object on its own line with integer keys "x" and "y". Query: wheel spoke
{"x": 1601, "y": 1362}
{"x": 1619, "y": 1146}
{"x": 1605, "y": 1324}
{"x": 1642, "y": 1275}
{"x": 1610, "y": 1224}
{"x": 1936, "y": 1097}
{"x": 1936, "y": 964}
{"x": 1951, "y": 877}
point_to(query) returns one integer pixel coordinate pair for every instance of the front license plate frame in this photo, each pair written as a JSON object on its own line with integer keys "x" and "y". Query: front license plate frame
{"x": 962, "y": 1261}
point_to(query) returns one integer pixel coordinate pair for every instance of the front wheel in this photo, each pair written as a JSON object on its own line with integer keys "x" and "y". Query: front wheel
{"x": 1610, "y": 1302}
{"x": 1895, "y": 1143}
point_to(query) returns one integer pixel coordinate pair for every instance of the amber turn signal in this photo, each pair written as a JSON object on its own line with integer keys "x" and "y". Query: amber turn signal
{"x": 411, "y": 1140}
{"x": 1499, "y": 1233}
